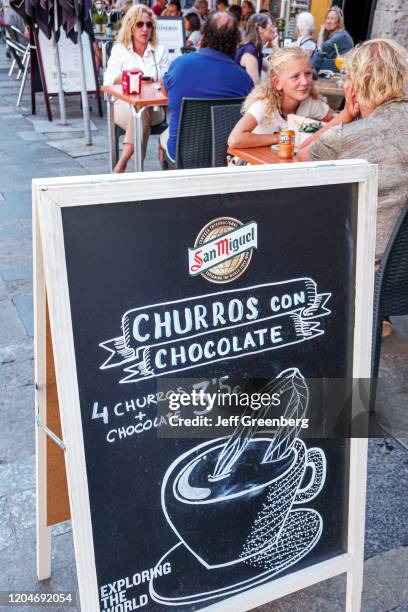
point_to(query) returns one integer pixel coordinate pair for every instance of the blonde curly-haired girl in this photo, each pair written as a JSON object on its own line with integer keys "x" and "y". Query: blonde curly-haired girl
{"x": 288, "y": 89}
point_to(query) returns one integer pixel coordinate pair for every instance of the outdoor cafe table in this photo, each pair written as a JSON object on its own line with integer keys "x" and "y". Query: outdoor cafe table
{"x": 151, "y": 95}
{"x": 260, "y": 155}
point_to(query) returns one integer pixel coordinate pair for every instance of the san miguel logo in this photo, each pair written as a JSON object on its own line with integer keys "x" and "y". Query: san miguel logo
{"x": 179, "y": 335}
{"x": 223, "y": 250}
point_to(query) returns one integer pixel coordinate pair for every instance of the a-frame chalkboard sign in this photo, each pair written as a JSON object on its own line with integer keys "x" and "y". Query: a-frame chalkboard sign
{"x": 42, "y": 69}
{"x": 153, "y": 279}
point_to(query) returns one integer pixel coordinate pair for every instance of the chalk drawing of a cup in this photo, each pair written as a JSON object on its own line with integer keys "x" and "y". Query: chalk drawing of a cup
{"x": 229, "y": 520}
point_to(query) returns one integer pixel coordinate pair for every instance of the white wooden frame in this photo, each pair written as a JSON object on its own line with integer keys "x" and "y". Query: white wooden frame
{"x": 49, "y": 197}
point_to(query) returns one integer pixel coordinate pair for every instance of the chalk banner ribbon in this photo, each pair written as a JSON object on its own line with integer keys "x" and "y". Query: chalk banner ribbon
{"x": 188, "y": 333}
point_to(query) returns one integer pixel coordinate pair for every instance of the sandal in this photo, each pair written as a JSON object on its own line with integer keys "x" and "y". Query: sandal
{"x": 386, "y": 329}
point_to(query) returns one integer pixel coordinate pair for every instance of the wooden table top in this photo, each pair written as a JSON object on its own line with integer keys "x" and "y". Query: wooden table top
{"x": 260, "y": 155}
{"x": 330, "y": 87}
{"x": 149, "y": 96}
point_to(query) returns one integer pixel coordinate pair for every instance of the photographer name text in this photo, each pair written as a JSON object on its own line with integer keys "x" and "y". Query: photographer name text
{"x": 235, "y": 420}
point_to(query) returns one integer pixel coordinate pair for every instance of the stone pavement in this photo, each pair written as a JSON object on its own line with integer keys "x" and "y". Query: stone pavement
{"x": 25, "y": 154}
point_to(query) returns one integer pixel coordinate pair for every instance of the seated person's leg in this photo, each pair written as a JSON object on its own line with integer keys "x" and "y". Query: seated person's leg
{"x": 163, "y": 152}
{"x": 123, "y": 118}
{"x": 150, "y": 117}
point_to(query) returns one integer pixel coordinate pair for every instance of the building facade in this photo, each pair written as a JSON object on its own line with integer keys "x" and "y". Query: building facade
{"x": 391, "y": 21}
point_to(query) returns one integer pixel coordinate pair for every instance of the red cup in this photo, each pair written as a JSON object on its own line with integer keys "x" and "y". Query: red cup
{"x": 131, "y": 81}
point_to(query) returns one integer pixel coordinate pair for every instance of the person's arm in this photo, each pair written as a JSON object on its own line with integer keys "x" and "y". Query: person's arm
{"x": 250, "y": 64}
{"x": 167, "y": 80}
{"x": 303, "y": 150}
{"x": 333, "y": 44}
{"x": 242, "y": 136}
{"x": 319, "y": 110}
{"x": 315, "y": 112}
{"x": 350, "y": 112}
{"x": 330, "y": 115}
{"x": 163, "y": 88}
{"x": 303, "y": 153}
{"x": 340, "y": 41}
{"x": 320, "y": 38}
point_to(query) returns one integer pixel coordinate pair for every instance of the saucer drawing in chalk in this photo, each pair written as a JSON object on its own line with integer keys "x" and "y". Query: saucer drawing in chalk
{"x": 300, "y": 534}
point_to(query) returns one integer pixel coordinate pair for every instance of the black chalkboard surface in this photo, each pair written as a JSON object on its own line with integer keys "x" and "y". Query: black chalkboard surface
{"x": 142, "y": 307}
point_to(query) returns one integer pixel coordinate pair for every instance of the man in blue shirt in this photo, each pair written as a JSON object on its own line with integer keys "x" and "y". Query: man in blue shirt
{"x": 211, "y": 72}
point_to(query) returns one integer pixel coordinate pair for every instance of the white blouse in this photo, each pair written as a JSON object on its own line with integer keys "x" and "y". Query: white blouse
{"x": 194, "y": 37}
{"x": 154, "y": 62}
{"x": 311, "y": 108}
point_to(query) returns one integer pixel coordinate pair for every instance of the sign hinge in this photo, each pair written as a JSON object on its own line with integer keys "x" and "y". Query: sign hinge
{"x": 50, "y": 433}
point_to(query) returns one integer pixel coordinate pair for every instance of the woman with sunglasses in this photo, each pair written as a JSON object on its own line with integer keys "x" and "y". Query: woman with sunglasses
{"x": 332, "y": 39}
{"x": 137, "y": 48}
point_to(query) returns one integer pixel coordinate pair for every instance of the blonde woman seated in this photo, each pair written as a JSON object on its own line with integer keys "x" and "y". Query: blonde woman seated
{"x": 137, "y": 48}
{"x": 372, "y": 126}
{"x": 288, "y": 89}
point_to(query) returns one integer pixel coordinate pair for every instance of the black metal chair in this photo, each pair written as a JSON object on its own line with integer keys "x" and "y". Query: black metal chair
{"x": 194, "y": 138}
{"x": 18, "y": 46}
{"x": 390, "y": 291}
{"x": 223, "y": 120}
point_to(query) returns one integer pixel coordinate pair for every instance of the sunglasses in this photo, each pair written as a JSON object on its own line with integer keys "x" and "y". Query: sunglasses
{"x": 140, "y": 24}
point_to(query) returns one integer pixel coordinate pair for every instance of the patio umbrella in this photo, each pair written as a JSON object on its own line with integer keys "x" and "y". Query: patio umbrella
{"x": 33, "y": 13}
{"x": 71, "y": 14}
{"x": 44, "y": 14}
{"x": 74, "y": 16}
{"x": 53, "y": 10}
